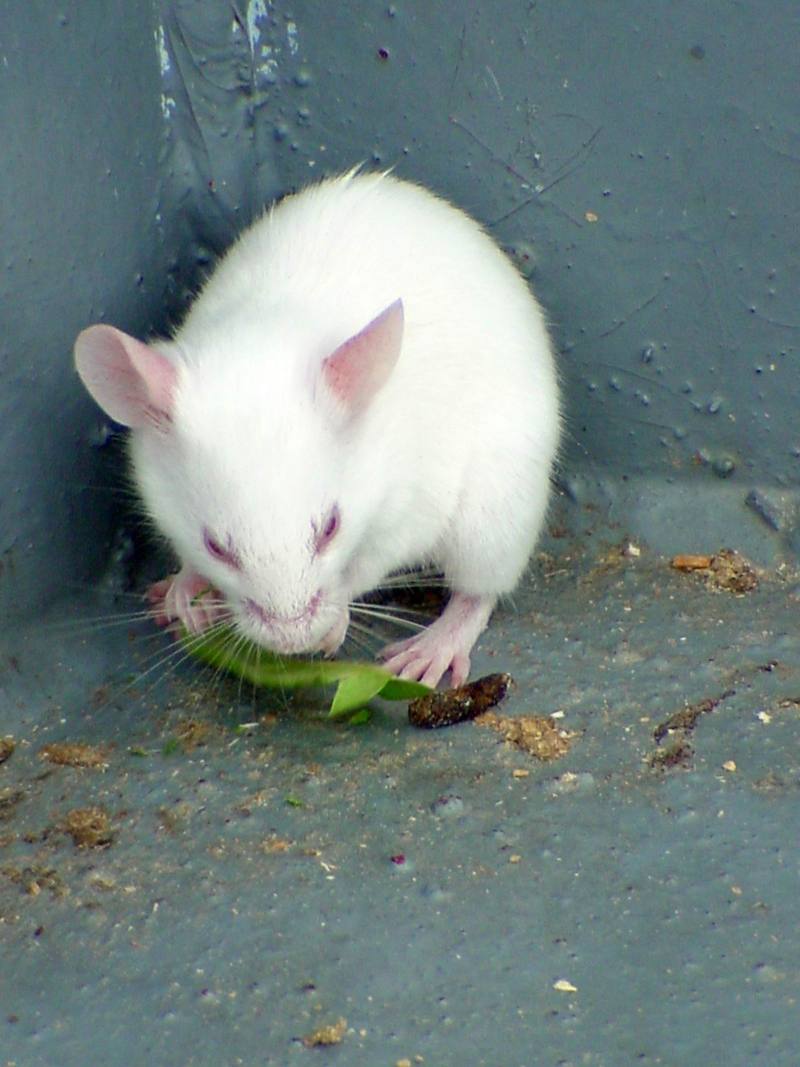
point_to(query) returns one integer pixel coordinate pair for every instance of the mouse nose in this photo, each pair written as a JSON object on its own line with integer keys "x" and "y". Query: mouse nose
{"x": 271, "y": 618}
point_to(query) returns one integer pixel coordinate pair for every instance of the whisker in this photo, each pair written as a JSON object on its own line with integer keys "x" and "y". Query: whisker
{"x": 364, "y": 640}
{"x": 250, "y": 654}
{"x": 360, "y": 637}
{"x": 219, "y": 671}
{"x": 413, "y": 580}
{"x": 99, "y": 623}
{"x": 389, "y": 617}
{"x": 392, "y": 612}
{"x": 160, "y": 658}
{"x": 175, "y": 650}
{"x": 184, "y": 650}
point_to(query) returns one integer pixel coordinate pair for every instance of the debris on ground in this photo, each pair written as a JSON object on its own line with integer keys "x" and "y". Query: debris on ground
{"x": 727, "y": 570}
{"x": 537, "y": 735}
{"x": 452, "y": 706}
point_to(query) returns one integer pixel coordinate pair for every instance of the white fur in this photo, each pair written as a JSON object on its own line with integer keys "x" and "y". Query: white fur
{"x": 451, "y": 460}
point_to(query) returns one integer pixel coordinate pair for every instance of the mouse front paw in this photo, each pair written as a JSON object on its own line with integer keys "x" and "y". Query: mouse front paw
{"x": 443, "y": 646}
{"x": 188, "y": 598}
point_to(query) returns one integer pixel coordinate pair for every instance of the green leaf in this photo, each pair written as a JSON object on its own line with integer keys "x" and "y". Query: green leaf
{"x": 357, "y": 683}
{"x": 360, "y": 717}
{"x": 357, "y": 690}
{"x": 403, "y": 689}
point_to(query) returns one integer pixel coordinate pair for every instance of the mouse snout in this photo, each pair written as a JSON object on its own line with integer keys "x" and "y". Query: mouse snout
{"x": 267, "y": 617}
{"x": 318, "y": 626}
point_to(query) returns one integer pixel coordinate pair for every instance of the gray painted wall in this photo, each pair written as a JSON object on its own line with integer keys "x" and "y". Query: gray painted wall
{"x": 80, "y": 196}
{"x": 641, "y": 160}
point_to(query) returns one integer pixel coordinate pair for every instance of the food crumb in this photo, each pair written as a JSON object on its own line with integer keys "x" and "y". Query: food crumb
{"x": 7, "y": 746}
{"x": 726, "y": 569}
{"x": 689, "y": 562}
{"x": 729, "y": 765}
{"x": 534, "y": 734}
{"x": 326, "y": 1035}
{"x": 563, "y": 986}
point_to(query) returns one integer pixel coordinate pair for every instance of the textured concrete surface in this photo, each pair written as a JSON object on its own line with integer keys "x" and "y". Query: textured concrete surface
{"x": 452, "y": 898}
{"x": 253, "y": 871}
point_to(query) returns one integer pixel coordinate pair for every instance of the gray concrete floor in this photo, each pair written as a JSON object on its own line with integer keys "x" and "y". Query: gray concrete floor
{"x": 265, "y": 872}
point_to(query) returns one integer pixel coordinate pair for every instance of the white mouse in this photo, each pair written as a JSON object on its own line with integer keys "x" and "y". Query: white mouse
{"x": 365, "y": 384}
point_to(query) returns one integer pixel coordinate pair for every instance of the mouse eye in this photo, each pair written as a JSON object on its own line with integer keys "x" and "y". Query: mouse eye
{"x": 329, "y": 529}
{"x": 224, "y": 553}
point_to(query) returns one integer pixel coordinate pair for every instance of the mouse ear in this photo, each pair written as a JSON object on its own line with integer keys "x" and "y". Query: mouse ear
{"x": 131, "y": 382}
{"x": 362, "y": 364}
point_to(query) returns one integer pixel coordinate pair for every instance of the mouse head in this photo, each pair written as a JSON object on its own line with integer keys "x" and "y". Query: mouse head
{"x": 240, "y": 449}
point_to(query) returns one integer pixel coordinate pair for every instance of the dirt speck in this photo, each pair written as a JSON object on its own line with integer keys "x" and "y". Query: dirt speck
{"x": 191, "y": 734}
{"x": 32, "y": 880}
{"x": 617, "y": 556}
{"x": 677, "y": 729}
{"x": 323, "y": 1036}
{"x": 535, "y": 734}
{"x": 274, "y": 844}
{"x": 685, "y": 720}
{"x": 173, "y": 819}
{"x": 676, "y": 754}
{"x": 75, "y": 754}
{"x": 776, "y": 783}
{"x": 88, "y": 827}
{"x": 9, "y": 798}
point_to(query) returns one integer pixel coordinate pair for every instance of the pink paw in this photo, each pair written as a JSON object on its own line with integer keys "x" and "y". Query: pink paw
{"x": 424, "y": 659}
{"x": 188, "y": 598}
{"x": 444, "y": 645}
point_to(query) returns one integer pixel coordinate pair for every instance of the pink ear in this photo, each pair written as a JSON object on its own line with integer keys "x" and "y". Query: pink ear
{"x": 131, "y": 382}
{"x": 362, "y": 364}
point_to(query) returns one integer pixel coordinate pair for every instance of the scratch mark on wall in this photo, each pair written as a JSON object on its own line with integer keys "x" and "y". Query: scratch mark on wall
{"x": 459, "y": 58}
{"x": 623, "y": 320}
{"x": 765, "y": 318}
{"x": 564, "y": 170}
{"x": 495, "y": 82}
{"x": 491, "y": 152}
